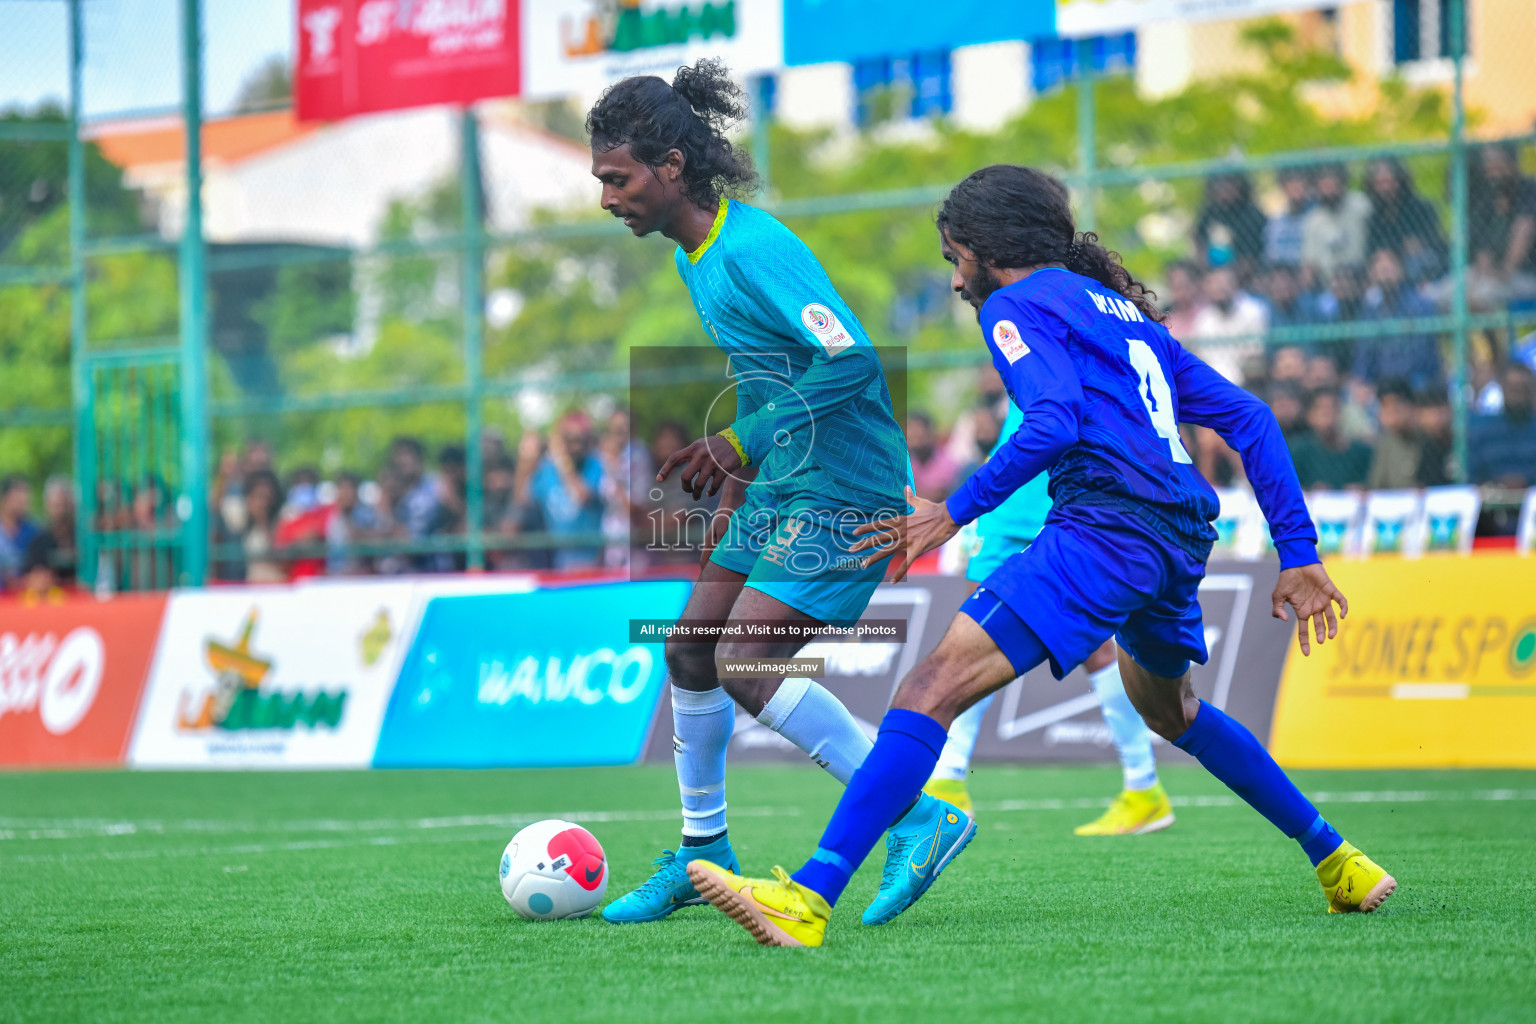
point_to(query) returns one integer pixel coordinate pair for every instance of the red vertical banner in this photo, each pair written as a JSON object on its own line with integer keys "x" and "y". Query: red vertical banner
{"x": 71, "y": 676}
{"x": 360, "y": 56}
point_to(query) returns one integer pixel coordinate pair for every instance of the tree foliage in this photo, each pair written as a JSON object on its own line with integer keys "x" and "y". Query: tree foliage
{"x": 269, "y": 85}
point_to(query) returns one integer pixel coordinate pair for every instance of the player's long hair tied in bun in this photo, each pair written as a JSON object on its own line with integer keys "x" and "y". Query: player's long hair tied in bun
{"x": 690, "y": 115}
{"x": 1012, "y": 216}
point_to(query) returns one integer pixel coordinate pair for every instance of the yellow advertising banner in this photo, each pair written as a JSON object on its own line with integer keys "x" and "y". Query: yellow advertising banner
{"x": 1434, "y": 668}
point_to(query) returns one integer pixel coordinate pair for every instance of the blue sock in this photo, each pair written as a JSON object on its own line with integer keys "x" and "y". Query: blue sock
{"x": 1230, "y": 752}
{"x": 890, "y": 778}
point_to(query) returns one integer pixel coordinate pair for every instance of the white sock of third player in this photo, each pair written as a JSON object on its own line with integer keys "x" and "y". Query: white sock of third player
{"x": 1132, "y": 737}
{"x": 701, "y": 730}
{"x": 805, "y": 713}
{"x": 955, "y": 758}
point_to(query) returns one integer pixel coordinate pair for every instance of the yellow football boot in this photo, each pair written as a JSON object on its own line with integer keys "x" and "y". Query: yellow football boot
{"x": 952, "y": 790}
{"x": 1133, "y": 813}
{"x": 777, "y": 911}
{"x": 1353, "y": 882}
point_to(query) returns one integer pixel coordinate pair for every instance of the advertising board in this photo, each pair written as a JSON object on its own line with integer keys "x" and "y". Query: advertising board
{"x": 1435, "y": 667}
{"x": 580, "y": 47}
{"x": 70, "y": 678}
{"x": 816, "y": 31}
{"x": 538, "y": 679}
{"x": 360, "y": 56}
{"x": 1036, "y": 717}
{"x": 273, "y": 676}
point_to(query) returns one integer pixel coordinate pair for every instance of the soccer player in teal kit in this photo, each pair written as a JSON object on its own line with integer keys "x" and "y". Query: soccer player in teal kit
{"x": 1103, "y": 387}
{"x": 814, "y": 452}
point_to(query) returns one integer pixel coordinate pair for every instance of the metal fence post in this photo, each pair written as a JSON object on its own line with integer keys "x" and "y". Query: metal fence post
{"x": 761, "y": 150}
{"x": 192, "y": 503}
{"x": 473, "y": 259}
{"x": 79, "y": 372}
{"x": 1087, "y": 130}
{"x": 1456, "y": 11}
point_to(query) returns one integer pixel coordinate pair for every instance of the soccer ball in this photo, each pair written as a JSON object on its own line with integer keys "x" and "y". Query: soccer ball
{"x": 554, "y": 870}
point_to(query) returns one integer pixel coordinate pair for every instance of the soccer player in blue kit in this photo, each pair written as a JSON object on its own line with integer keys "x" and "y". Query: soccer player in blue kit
{"x": 814, "y": 452}
{"x": 1142, "y": 804}
{"x": 1103, "y": 387}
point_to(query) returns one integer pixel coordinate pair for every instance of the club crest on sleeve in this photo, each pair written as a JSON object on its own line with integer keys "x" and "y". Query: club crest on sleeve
{"x": 1009, "y": 342}
{"x": 825, "y": 328}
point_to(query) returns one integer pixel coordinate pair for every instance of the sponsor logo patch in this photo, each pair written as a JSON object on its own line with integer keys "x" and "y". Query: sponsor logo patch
{"x": 825, "y": 328}
{"x": 1008, "y": 341}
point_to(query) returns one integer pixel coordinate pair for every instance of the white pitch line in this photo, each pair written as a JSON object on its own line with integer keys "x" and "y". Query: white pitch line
{"x": 95, "y": 828}
{"x": 247, "y": 849}
{"x": 31, "y": 829}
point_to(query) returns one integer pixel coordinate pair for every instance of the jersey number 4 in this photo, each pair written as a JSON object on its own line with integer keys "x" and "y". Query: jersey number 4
{"x": 1157, "y": 397}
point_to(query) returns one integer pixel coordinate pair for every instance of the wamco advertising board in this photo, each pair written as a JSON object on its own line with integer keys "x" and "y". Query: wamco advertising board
{"x": 524, "y": 680}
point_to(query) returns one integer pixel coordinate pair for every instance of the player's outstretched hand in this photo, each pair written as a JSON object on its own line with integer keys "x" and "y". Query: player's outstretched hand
{"x": 709, "y": 461}
{"x": 914, "y": 535}
{"x": 1308, "y": 589}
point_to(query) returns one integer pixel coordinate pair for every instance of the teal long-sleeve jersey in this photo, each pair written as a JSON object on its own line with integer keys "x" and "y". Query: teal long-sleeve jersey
{"x": 813, "y": 409}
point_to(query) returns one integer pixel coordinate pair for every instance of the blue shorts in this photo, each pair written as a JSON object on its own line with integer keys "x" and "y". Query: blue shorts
{"x": 1012, "y": 635}
{"x": 800, "y": 556}
{"x": 1081, "y": 583}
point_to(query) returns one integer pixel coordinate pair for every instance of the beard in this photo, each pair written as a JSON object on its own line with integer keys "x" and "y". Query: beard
{"x": 977, "y": 288}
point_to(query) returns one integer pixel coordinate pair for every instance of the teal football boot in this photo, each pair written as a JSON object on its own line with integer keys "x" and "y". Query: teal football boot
{"x": 917, "y": 848}
{"x": 669, "y": 888}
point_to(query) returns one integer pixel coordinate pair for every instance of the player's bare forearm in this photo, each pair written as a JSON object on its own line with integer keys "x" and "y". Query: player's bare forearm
{"x": 1308, "y": 590}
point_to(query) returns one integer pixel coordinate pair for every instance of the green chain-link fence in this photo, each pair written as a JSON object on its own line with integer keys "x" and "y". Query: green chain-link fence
{"x": 142, "y": 351}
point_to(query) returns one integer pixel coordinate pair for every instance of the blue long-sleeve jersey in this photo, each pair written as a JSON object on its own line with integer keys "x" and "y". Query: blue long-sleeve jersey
{"x": 1103, "y": 390}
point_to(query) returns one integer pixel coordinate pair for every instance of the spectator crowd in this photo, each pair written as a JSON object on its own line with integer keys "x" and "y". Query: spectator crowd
{"x": 1364, "y": 405}
{"x": 1359, "y": 408}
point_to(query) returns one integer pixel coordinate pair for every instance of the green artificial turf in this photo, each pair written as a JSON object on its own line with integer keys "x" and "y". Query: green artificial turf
{"x": 373, "y": 896}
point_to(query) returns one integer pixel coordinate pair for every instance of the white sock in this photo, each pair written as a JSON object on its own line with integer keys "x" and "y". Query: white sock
{"x": 701, "y": 730}
{"x": 805, "y": 713}
{"x": 1132, "y": 737}
{"x": 955, "y": 758}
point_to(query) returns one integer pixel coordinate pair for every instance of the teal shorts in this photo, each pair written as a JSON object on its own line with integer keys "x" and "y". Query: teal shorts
{"x": 1009, "y": 528}
{"x": 996, "y": 548}
{"x": 800, "y": 556}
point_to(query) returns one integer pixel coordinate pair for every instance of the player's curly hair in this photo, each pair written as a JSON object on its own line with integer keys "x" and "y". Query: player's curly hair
{"x": 690, "y": 115}
{"x": 1012, "y": 216}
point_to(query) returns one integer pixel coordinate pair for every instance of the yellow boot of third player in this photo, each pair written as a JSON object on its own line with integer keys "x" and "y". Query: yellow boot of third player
{"x": 1134, "y": 812}
{"x": 1353, "y": 882}
{"x": 777, "y": 911}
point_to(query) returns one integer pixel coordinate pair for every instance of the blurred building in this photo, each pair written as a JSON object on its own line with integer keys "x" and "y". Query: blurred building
{"x": 269, "y": 178}
{"x": 1380, "y": 39}
{"x": 981, "y": 86}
